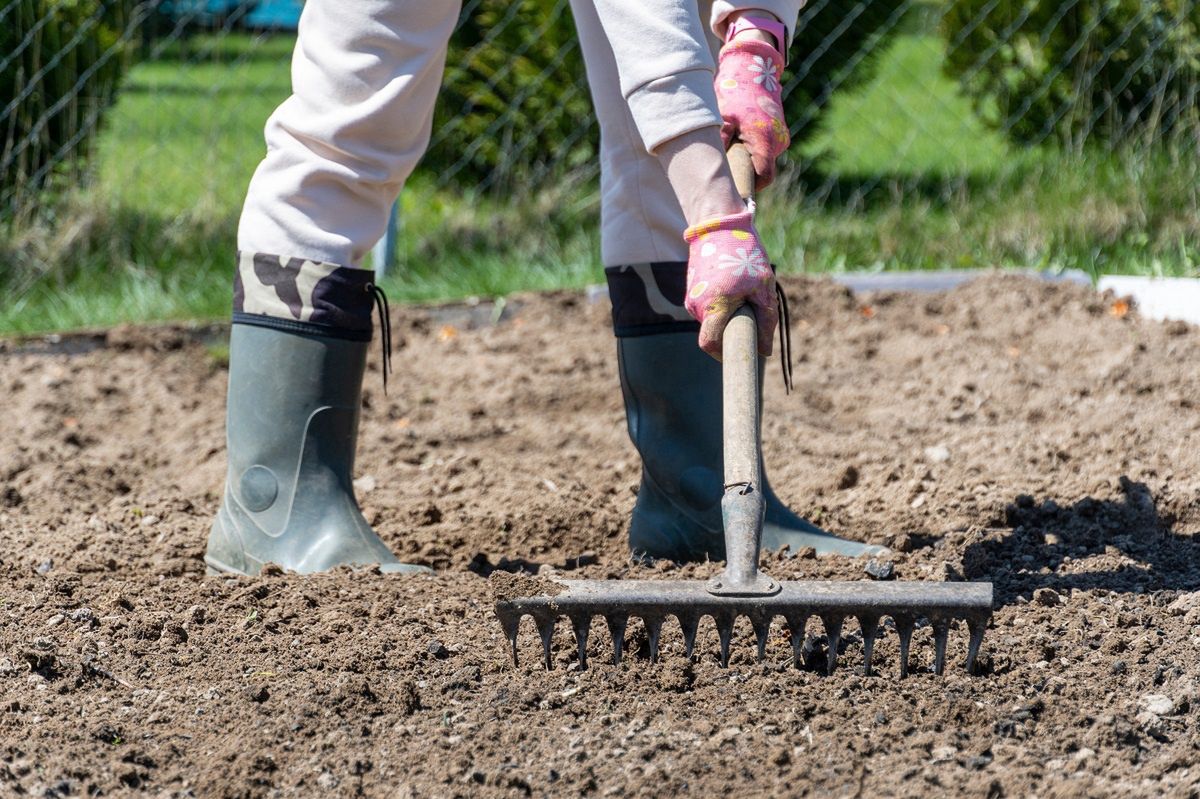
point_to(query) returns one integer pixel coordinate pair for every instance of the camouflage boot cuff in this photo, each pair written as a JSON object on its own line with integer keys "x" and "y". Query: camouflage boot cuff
{"x": 304, "y": 296}
{"x": 647, "y": 299}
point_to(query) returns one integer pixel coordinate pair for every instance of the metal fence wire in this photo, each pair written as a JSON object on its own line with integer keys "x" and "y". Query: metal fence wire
{"x": 895, "y": 93}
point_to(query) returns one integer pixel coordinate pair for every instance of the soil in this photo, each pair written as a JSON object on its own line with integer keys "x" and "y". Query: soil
{"x": 1038, "y": 436}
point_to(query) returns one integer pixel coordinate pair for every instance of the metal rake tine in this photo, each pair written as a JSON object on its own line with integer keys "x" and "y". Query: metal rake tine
{"x": 616, "y": 626}
{"x": 833, "y": 632}
{"x": 653, "y": 630}
{"x": 511, "y": 623}
{"x": 904, "y": 627}
{"x": 724, "y": 623}
{"x": 545, "y": 626}
{"x": 977, "y": 628}
{"x": 796, "y": 625}
{"x": 941, "y": 632}
{"x": 761, "y": 624}
{"x": 870, "y": 628}
{"x": 582, "y": 623}
{"x": 688, "y": 623}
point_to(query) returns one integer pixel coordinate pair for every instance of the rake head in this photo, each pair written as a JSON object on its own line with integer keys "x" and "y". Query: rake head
{"x": 653, "y": 601}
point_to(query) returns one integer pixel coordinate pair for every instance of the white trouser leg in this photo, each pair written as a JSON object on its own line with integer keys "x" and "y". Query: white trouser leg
{"x": 365, "y": 76}
{"x": 640, "y": 216}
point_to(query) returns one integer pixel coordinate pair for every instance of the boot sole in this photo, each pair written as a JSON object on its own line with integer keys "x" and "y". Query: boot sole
{"x": 216, "y": 567}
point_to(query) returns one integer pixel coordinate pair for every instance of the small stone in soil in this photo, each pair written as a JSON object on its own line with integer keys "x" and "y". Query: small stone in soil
{"x": 259, "y": 694}
{"x": 848, "y": 478}
{"x": 978, "y": 761}
{"x": 438, "y": 649}
{"x": 1184, "y": 603}
{"x": 942, "y": 753}
{"x": 45, "y": 566}
{"x": 1118, "y": 667}
{"x": 937, "y": 454}
{"x": 1046, "y": 596}
{"x": 1157, "y": 704}
{"x": 880, "y": 569}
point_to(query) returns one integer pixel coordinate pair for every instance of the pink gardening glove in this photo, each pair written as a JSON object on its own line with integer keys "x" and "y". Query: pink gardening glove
{"x": 750, "y": 98}
{"x": 727, "y": 268}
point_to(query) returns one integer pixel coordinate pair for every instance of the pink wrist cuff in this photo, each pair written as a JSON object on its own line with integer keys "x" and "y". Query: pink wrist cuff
{"x": 776, "y": 29}
{"x": 761, "y": 49}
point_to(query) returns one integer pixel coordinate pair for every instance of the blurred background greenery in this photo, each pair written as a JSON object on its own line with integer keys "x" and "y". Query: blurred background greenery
{"x": 928, "y": 135}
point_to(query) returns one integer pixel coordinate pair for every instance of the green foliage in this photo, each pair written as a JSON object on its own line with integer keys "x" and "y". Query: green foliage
{"x": 60, "y": 63}
{"x": 513, "y": 108}
{"x": 511, "y": 104}
{"x": 1078, "y": 70}
{"x": 835, "y": 49}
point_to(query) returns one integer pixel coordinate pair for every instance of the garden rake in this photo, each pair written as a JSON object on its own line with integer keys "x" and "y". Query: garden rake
{"x": 741, "y": 589}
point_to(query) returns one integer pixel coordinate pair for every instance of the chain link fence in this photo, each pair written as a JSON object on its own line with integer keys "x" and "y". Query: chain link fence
{"x": 159, "y": 105}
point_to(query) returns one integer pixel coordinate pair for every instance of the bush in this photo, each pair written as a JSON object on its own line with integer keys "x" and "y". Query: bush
{"x": 60, "y": 63}
{"x": 836, "y": 45}
{"x": 1077, "y": 70}
{"x": 514, "y": 103}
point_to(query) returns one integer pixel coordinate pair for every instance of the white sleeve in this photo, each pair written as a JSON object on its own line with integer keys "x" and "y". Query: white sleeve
{"x": 665, "y": 66}
{"x": 787, "y": 11}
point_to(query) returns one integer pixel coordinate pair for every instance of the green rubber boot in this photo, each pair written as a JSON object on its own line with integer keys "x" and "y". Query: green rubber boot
{"x": 294, "y": 404}
{"x": 673, "y": 408}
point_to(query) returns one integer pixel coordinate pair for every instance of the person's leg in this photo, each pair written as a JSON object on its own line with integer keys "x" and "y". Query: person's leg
{"x": 672, "y": 389}
{"x": 365, "y": 78}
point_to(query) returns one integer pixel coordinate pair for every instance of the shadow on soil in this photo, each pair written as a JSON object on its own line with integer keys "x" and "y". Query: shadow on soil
{"x": 482, "y": 565}
{"x": 1046, "y": 535}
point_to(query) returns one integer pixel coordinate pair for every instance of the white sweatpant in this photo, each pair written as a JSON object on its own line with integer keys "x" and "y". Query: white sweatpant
{"x": 365, "y": 77}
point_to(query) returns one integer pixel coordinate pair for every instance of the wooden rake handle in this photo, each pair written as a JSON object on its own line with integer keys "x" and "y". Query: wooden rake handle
{"x": 743, "y": 505}
{"x": 739, "y": 359}
{"x": 742, "y": 166}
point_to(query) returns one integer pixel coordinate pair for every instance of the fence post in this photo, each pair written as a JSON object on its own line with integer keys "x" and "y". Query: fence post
{"x": 383, "y": 254}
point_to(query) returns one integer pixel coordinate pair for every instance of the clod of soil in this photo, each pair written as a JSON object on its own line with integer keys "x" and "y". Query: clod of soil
{"x": 1009, "y": 430}
{"x": 506, "y": 585}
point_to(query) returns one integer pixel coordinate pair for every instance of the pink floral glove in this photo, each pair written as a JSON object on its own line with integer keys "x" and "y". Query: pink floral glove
{"x": 750, "y": 98}
{"x": 727, "y": 267}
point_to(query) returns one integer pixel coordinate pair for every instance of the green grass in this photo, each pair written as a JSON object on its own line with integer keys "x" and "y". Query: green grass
{"x": 901, "y": 176}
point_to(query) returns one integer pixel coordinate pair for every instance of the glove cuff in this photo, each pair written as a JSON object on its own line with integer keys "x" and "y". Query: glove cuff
{"x": 755, "y": 48}
{"x": 770, "y": 26}
{"x": 743, "y": 222}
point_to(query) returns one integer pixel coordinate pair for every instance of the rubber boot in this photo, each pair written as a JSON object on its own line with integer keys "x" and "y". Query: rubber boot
{"x": 672, "y": 396}
{"x": 294, "y": 405}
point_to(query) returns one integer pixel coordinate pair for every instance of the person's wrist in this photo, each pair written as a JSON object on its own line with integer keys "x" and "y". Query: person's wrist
{"x": 743, "y": 25}
{"x": 755, "y": 35}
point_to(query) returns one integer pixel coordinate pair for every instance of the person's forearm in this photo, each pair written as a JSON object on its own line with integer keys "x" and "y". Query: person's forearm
{"x": 695, "y": 162}
{"x": 664, "y": 64}
{"x": 699, "y": 175}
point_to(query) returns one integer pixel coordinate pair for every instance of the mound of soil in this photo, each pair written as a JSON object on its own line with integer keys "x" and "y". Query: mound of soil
{"x": 1034, "y": 435}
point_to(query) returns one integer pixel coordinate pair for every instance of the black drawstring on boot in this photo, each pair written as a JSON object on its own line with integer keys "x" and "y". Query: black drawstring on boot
{"x": 385, "y": 328}
{"x": 785, "y": 338}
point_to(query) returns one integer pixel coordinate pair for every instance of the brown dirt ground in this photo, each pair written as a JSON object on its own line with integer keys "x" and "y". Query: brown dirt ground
{"x": 1008, "y": 430}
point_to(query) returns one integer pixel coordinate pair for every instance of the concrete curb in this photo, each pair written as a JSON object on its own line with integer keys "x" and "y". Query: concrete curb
{"x": 944, "y": 280}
